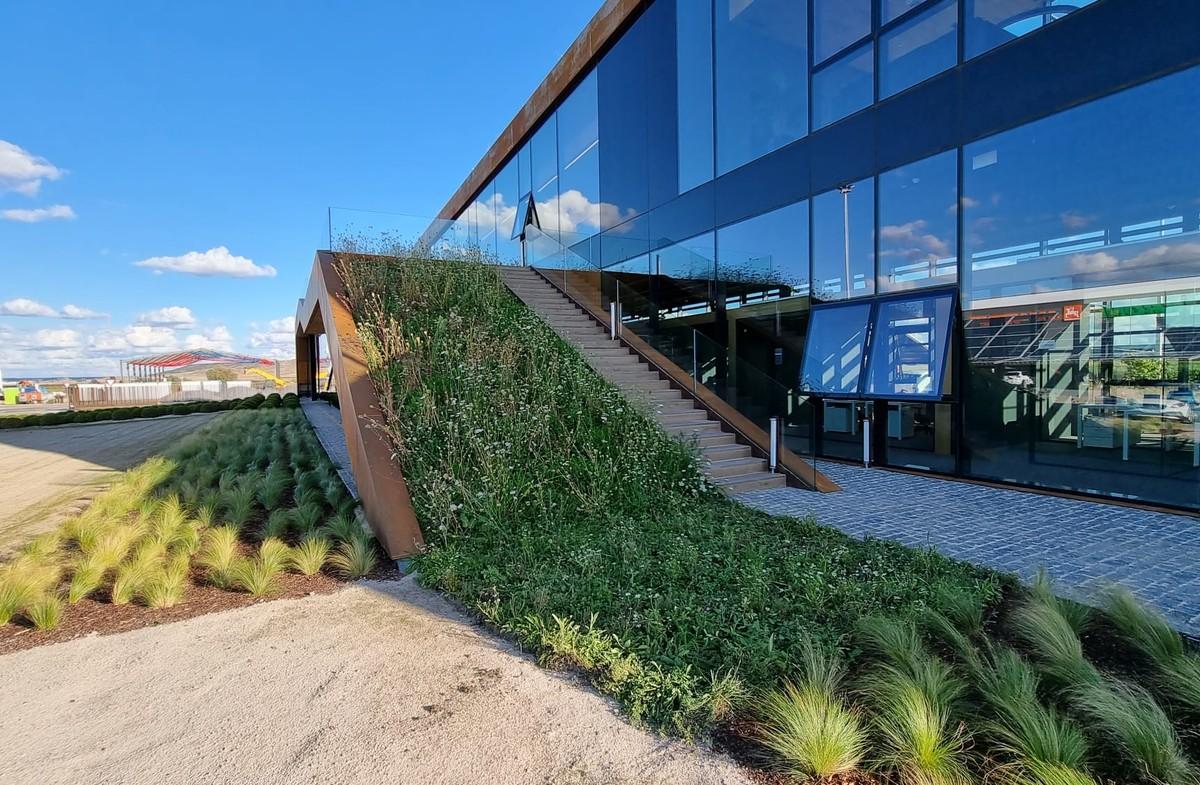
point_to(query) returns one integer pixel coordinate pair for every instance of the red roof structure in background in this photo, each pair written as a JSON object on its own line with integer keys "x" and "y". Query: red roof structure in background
{"x": 196, "y": 357}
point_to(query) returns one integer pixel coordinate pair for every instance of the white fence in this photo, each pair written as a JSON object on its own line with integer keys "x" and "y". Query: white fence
{"x": 98, "y": 396}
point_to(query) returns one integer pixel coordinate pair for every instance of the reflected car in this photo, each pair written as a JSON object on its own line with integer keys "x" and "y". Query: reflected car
{"x": 1018, "y": 379}
{"x": 1168, "y": 409}
{"x": 1187, "y": 397}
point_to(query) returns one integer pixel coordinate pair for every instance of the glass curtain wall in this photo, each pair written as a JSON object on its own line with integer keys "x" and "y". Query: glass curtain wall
{"x": 843, "y": 242}
{"x": 918, "y": 224}
{"x": 1082, "y": 238}
{"x": 694, "y": 77}
{"x": 761, "y": 78}
{"x": 991, "y": 23}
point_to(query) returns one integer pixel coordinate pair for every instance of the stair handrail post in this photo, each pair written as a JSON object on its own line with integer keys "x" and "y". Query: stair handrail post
{"x": 773, "y": 458}
{"x": 695, "y": 360}
{"x": 614, "y": 319}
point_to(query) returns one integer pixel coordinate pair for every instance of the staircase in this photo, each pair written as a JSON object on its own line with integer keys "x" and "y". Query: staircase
{"x": 729, "y": 465}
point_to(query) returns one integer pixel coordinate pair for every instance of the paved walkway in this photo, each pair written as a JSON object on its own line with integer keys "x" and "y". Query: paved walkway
{"x": 326, "y": 421}
{"x": 48, "y": 472}
{"x": 1082, "y": 544}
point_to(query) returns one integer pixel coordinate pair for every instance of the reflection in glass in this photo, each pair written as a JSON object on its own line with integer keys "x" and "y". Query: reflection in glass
{"x": 543, "y": 153}
{"x": 1104, "y": 194}
{"x": 504, "y": 206}
{"x": 909, "y": 346}
{"x": 694, "y": 77}
{"x": 834, "y": 350}
{"x": 579, "y": 209}
{"x": 918, "y": 224}
{"x": 844, "y": 86}
{"x": 1089, "y": 394}
{"x": 894, "y": 9}
{"x": 991, "y": 23}
{"x": 837, "y": 24}
{"x": 766, "y": 256}
{"x": 761, "y": 78}
{"x": 624, "y": 103}
{"x": 682, "y": 277}
{"x": 918, "y": 49}
{"x": 483, "y": 210}
{"x": 843, "y": 239}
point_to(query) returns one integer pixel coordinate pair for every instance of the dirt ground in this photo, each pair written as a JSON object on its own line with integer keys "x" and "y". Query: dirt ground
{"x": 47, "y": 473}
{"x": 379, "y": 682}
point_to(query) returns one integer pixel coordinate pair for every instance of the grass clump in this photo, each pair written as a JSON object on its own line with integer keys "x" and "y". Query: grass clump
{"x": 46, "y": 612}
{"x": 355, "y": 557}
{"x": 255, "y": 576}
{"x": 310, "y": 555}
{"x": 808, "y": 726}
{"x": 165, "y": 588}
{"x": 218, "y": 554}
{"x": 1176, "y": 668}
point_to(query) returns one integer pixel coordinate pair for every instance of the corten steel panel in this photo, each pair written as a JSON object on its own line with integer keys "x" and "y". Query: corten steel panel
{"x": 605, "y": 26}
{"x": 381, "y": 485}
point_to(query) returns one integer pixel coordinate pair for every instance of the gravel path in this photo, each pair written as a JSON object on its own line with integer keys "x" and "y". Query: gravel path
{"x": 46, "y": 472}
{"x": 377, "y": 683}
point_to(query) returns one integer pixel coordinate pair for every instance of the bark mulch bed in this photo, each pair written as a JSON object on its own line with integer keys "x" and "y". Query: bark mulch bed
{"x": 98, "y": 616}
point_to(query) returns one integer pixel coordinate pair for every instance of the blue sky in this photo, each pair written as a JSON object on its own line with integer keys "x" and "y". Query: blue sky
{"x": 211, "y": 137}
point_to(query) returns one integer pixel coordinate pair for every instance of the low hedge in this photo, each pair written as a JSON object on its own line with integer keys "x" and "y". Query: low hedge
{"x": 258, "y": 401}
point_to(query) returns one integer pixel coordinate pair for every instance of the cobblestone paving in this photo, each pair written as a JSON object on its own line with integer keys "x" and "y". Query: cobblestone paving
{"x": 327, "y": 424}
{"x": 1084, "y": 545}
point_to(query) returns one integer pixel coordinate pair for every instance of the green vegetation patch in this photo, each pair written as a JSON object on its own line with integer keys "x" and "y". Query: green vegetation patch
{"x": 559, "y": 512}
{"x": 289, "y": 401}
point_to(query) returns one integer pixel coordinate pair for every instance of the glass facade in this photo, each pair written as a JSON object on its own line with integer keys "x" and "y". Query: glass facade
{"x": 969, "y": 224}
{"x": 762, "y": 90}
{"x": 843, "y": 241}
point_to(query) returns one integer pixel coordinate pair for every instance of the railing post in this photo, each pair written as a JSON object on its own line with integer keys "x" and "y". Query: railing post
{"x": 614, "y": 320}
{"x": 695, "y": 361}
{"x": 773, "y": 459}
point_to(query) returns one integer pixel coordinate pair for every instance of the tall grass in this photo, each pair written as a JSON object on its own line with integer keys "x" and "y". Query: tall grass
{"x": 1176, "y": 668}
{"x": 45, "y": 613}
{"x": 310, "y": 555}
{"x": 355, "y": 557}
{"x": 808, "y": 726}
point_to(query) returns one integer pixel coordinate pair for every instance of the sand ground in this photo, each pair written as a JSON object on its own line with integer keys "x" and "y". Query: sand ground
{"x": 377, "y": 683}
{"x": 47, "y": 473}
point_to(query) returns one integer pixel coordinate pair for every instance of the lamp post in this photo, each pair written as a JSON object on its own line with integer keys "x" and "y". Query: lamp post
{"x": 845, "y": 190}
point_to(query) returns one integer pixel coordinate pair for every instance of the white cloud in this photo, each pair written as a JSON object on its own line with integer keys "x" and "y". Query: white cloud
{"x": 217, "y": 339}
{"x": 23, "y": 306}
{"x": 22, "y": 171}
{"x": 76, "y": 312}
{"x": 276, "y": 339}
{"x": 39, "y": 214}
{"x": 55, "y": 339}
{"x": 171, "y": 316}
{"x": 213, "y": 262}
{"x": 149, "y": 339}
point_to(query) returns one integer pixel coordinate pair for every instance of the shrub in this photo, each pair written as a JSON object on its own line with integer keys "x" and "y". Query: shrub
{"x": 45, "y": 613}
{"x": 310, "y": 555}
{"x": 355, "y": 557}
{"x": 343, "y": 527}
{"x": 278, "y": 524}
{"x": 808, "y": 726}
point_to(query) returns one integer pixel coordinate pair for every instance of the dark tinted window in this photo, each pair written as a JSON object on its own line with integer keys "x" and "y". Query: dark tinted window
{"x": 991, "y": 23}
{"x": 768, "y": 253}
{"x": 1104, "y": 194}
{"x": 837, "y": 24}
{"x": 694, "y": 76}
{"x": 623, "y": 100}
{"x": 762, "y": 78}
{"x": 918, "y": 49}
{"x": 909, "y": 346}
{"x": 834, "y": 350}
{"x": 918, "y": 224}
{"x": 579, "y": 205}
{"x": 843, "y": 240}
{"x": 844, "y": 86}
{"x": 893, "y": 9}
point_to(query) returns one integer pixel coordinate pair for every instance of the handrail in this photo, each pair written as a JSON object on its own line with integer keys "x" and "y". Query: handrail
{"x": 798, "y": 471}
{"x": 381, "y": 485}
